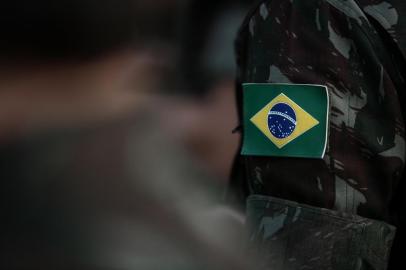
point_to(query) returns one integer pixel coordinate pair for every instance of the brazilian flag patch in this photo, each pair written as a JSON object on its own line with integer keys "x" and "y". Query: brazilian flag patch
{"x": 285, "y": 120}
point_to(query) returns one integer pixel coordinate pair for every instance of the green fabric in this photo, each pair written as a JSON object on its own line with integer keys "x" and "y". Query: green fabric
{"x": 309, "y": 105}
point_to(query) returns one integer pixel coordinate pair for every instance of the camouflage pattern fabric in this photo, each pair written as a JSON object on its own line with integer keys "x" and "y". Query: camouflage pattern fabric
{"x": 357, "y": 49}
{"x": 287, "y": 235}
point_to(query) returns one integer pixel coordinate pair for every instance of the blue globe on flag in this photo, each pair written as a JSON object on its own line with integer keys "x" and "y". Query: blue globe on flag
{"x": 281, "y": 120}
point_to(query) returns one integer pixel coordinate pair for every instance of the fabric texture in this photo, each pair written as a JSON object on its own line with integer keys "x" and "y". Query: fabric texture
{"x": 357, "y": 50}
{"x": 288, "y": 235}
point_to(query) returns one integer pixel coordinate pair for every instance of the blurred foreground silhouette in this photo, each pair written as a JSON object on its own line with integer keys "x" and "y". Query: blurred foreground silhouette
{"x": 92, "y": 175}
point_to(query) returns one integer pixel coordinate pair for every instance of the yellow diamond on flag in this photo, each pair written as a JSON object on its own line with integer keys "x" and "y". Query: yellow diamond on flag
{"x": 282, "y": 121}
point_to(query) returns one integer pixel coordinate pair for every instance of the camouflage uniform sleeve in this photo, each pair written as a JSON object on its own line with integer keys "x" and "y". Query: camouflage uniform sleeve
{"x": 332, "y": 213}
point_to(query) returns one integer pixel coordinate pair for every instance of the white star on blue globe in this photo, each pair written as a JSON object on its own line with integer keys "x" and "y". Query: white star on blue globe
{"x": 281, "y": 120}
